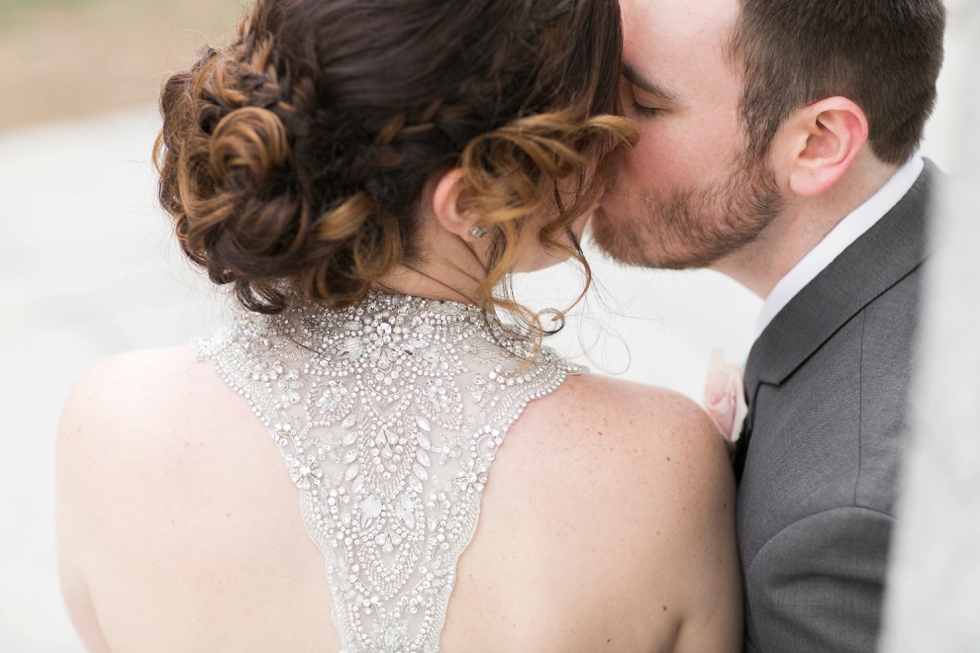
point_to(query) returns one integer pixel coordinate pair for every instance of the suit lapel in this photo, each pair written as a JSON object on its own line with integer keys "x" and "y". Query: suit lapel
{"x": 875, "y": 262}
{"x": 880, "y": 258}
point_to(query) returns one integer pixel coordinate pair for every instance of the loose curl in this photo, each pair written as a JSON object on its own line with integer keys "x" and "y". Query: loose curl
{"x": 294, "y": 161}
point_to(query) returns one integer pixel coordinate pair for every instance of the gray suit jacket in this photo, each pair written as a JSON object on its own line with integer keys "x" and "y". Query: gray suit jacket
{"x": 827, "y": 384}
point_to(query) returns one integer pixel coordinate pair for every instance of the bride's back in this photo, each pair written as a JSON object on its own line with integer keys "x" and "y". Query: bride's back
{"x": 606, "y": 524}
{"x": 339, "y": 162}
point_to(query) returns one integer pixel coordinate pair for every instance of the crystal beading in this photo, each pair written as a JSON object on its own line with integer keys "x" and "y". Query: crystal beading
{"x": 388, "y": 415}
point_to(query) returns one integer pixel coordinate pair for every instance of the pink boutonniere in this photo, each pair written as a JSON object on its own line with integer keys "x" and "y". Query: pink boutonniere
{"x": 724, "y": 397}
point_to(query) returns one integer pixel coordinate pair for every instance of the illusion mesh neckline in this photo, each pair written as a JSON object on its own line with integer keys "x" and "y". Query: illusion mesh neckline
{"x": 388, "y": 415}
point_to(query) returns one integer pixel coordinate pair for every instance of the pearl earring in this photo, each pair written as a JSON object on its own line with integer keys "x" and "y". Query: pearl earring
{"x": 478, "y": 232}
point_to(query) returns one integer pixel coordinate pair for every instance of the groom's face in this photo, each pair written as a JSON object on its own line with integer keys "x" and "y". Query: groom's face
{"x": 686, "y": 195}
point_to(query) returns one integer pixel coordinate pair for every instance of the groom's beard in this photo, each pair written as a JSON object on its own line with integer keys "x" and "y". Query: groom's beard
{"x": 690, "y": 227}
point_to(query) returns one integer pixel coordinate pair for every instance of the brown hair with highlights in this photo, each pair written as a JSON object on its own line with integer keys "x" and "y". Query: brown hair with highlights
{"x": 294, "y": 161}
{"x": 884, "y": 55}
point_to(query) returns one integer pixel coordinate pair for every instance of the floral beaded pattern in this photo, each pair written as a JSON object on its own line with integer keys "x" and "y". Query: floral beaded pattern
{"x": 388, "y": 415}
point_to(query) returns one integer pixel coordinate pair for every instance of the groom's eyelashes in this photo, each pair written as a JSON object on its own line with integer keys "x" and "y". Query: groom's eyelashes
{"x": 637, "y": 87}
{"x": 631, "y": 100}
{"x": 648, "y": 112}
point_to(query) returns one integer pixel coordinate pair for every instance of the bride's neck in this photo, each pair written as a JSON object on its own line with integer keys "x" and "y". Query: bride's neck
{"x": 447, "y": 269}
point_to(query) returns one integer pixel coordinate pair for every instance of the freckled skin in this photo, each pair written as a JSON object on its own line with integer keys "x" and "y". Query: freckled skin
{"x": 165, "y": 547}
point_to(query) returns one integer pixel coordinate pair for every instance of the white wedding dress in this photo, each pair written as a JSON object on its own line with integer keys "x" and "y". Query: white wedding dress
{"x": 388, "y": 415}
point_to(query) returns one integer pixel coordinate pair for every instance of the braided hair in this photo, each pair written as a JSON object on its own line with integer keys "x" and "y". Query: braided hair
{"x": 294, "y": 160}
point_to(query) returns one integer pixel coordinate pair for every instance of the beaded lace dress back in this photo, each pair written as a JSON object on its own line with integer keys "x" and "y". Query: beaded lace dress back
{"x": 388, "y": 416}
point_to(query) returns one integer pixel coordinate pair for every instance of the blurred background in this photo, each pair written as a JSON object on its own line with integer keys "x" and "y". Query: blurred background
{"x": 88, "y": 267}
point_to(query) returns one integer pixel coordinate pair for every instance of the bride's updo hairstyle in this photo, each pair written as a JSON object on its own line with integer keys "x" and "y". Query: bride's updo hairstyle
{"x": 294, "y": 161}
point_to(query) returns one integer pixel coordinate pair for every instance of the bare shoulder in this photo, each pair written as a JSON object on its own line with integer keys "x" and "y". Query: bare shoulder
{"x": 113, "y": 443}
{"x": 155, "y": 439}
{"x": 655, "y": 449}
{"x": 130, "y": 399}
{"x": 143, "y": 417}
{"x": 648, "y": 471}
{"x": 651, "y": 426}
{"x": 171, "y": 492}
{"x": 129, "y": 383}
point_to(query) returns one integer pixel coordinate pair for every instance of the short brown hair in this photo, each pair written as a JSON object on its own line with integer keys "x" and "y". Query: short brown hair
{"x": 294, "y": 161}
{"x": 884, "y": 55}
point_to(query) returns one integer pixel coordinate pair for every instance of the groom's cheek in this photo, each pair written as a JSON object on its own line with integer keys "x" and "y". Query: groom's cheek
{"x": 681, "y": 148}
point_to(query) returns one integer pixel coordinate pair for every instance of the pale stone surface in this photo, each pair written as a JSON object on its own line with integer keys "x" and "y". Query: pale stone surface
{"x": 933, "y": 600}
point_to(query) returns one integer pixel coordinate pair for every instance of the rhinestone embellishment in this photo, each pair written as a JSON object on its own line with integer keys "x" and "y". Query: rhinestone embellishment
{"x": 388, "y": 415}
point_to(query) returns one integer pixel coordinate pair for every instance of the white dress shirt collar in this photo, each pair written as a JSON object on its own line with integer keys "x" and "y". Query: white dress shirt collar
{"x": 840, "y": 238}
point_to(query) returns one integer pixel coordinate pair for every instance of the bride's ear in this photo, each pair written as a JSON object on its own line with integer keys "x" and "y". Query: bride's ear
{"x": 449, "y": 206}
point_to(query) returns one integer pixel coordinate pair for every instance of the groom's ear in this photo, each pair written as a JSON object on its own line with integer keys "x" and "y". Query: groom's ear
{"x": 817, "y": 144}
{"x": 450, "y": 207}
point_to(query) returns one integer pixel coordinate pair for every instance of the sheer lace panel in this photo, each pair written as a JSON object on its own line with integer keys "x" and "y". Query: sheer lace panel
{"x": 388, "y": 416}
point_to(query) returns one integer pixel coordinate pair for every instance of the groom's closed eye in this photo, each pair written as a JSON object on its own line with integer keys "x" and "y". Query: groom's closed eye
{"x": 636, "y": 104}
{"x": 644, "y": 110}
{"x": 646, "y": 97}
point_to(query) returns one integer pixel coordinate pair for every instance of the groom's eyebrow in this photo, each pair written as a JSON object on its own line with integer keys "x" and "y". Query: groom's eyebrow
{"x": 634, "y": 77}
